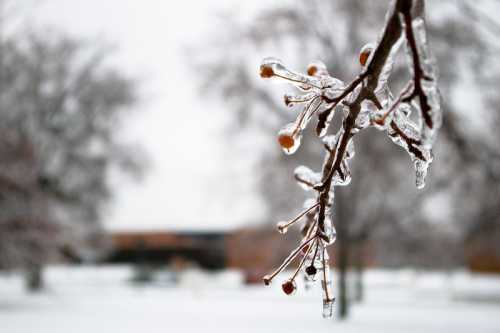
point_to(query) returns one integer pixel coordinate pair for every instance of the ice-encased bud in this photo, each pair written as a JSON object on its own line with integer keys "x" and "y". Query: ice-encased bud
{"x": 282, "y": 227}
{"x": 317, "y": 68}
{"x": 289, "y": 138}
{"x": 289, "y": 287}
{"x": 365, "y": 53}
{"x": 270, "y": 66}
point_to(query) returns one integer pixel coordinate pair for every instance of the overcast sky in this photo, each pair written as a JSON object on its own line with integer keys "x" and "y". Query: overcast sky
{"x": 196, "y": 179}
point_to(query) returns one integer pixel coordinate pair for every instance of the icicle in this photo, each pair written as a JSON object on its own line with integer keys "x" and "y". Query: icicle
{"x": 421, "y": 168}
{"x": 326, "y": 285}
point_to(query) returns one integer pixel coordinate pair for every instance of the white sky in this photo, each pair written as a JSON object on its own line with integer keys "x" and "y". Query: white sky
{"x": 196, "y": 179}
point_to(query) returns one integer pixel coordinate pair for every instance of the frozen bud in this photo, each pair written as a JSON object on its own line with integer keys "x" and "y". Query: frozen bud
{"x": 311, "y": 270}
{"x": 365, "y": 53}
{"x": 282, "y": 227}
{"x": 267, "y": 280}
{"x": 289, "y": 287}
{"x": 317, "y": 68}
{"x": 269, "y": 66}
{"x": 289, "y": 138}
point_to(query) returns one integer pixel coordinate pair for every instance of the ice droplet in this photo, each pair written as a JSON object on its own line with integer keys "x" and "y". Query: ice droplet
{"x": 328, "y": 308}
{"x": 289, "y": 138}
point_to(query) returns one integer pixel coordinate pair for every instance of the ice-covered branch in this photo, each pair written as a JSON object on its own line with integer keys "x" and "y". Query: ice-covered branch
{"x": 365, "y": 101}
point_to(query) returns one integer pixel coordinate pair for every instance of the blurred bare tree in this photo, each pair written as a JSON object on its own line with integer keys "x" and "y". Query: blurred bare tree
{"x": 60, "y": 106}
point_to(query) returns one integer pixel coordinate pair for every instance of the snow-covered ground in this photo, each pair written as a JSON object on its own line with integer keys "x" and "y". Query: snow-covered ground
{"x": 83, "y": 300}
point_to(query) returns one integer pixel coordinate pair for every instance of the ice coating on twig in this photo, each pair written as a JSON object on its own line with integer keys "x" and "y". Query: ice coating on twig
{"x": 364, "y": 103}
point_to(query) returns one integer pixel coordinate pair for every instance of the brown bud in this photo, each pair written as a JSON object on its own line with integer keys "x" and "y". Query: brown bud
{"x": 363, "y": 57}
{"x": 312, "y": 70}
{"x": 286, "y": 141}
{"x": 266, "y": 71}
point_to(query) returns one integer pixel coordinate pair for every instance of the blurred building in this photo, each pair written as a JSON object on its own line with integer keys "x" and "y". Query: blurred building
{"x": 204, "y": 249}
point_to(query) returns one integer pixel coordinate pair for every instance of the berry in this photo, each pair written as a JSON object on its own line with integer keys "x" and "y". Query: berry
{"x": 289, "y": 287}
{"x": 312, "y": 70}
{"x": 266, "y": 71}
{"x": 267, "y": 280}
{"x": 286, "y": 141}
{"x": 311, "y": 270}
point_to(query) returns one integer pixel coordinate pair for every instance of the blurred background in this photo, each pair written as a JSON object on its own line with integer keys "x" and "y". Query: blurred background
{"x": 141, "y": 178}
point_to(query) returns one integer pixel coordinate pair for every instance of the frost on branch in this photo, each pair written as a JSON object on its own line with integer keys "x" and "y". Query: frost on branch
{"x": 366, "y": 101}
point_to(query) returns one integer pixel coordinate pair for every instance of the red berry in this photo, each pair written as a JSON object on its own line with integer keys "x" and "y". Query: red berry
{"x": 286, "y": 141}
{"x": 289, "y": 287}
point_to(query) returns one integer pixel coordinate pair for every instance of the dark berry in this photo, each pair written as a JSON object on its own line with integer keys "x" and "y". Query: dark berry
{"x": 311, "y": 270}
{"x": 289, "y": 287}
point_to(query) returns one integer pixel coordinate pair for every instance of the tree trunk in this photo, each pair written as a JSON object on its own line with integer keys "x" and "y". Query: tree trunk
{"x": 342, "y": 255}
{"x": 34, "y": 278}
{"x": 358, "y": 263}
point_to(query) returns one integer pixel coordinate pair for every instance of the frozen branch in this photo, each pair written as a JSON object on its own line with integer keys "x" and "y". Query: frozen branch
{"x": 366, "y": 101}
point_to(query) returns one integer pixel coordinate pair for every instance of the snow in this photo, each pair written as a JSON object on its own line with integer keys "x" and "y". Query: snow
{"x": 87, "y": 299}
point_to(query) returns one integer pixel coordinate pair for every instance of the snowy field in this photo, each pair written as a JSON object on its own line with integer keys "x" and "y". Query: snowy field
{"x": 83, "y": 300}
